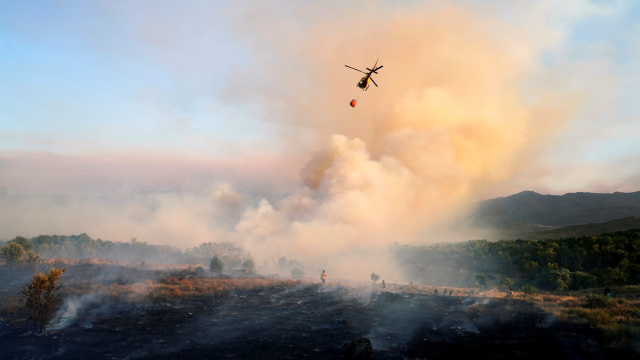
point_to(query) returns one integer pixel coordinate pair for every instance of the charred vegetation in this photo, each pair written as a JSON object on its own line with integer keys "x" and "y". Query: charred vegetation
{"x": 126, "y": 312}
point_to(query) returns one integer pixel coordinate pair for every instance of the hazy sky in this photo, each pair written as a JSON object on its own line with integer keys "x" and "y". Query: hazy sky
{"x": 152, "y": 79}
{"x": 244, "y": 100}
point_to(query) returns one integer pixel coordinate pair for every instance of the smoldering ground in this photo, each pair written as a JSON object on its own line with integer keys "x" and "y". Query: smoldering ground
{"x": 271, "y": 319}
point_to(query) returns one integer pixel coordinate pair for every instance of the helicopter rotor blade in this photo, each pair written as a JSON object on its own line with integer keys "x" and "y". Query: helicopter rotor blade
{"x": 378, "y": 68}
{"x": 373, "y": 71}
{"x": 355, "y": 69}
{"x": 374, "y": 83}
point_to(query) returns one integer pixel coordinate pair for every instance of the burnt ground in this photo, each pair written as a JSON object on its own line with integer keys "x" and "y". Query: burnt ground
{"x": 306, "y": 322}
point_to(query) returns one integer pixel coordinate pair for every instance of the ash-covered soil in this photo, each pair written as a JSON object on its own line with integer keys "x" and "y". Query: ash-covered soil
{"x": 305, "y": 321}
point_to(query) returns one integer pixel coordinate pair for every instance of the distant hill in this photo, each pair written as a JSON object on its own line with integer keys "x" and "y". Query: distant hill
{"x": 531, "y": 208}
{"x": 583, "y": 230}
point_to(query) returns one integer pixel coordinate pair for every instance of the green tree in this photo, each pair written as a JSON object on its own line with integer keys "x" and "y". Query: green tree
{"x": 559, "y": 280}
{"x": 375, "y": 277}
{"x": 582, "y": 280}
{"x": 296, "y": 264}
{"x": 529, "y": 266}
{"x": 249, "y": 265}
{"x": 481, "y": 279}
{"x": 613, "y": 277}
{"x": 506, "y": 282}
{"x": 26, "y": 244}
{"x": 296, "y": 273}
{"x": 12, "y": 253}
{"x": 530, "y": 290}
{"x": 216, "y": 265}
{"x": 282, "y": 262}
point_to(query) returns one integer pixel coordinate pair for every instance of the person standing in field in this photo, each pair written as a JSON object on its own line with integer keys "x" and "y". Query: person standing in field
{"x": 323, "y": 277}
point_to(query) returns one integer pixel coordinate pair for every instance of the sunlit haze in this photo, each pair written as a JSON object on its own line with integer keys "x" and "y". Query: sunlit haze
{"x": 187, "y": 122}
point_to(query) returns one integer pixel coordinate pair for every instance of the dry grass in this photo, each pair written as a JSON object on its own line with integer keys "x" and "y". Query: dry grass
{"x": 617, "y": 321}
{"x": 10, "y": 305}
{"x": 551, "y": 298}
{"x": 12, "y": 310}
{"x": 177, "y": 287}
{"x": 171, "y": 288}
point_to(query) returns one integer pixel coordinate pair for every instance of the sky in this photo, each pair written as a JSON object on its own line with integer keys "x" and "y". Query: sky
{"x": 241, "y": 110}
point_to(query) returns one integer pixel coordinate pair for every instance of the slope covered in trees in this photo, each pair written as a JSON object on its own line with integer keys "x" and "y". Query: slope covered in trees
{"x": 582, "y": 230}
{"x": 529, "y": 207}
{"x": 559, "y": 264}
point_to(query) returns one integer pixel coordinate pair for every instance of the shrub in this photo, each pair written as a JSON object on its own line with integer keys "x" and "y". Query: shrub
{"x": 216, "y": 265}
{"x": 249, "y": 265}
{"x": 481, "y": 279}
{"x": 374, "y": 277}
{"x": 12, "y": 253}
{"x": 597, "y": 318}
{"x": 296, "y": 273}
{"x": 11, "y": 306}
{"x": 634, "y": 312}
{"x": 530, "y": 290}
{"x": 597, "y": 302}
{"x": 33, "y": 259}
{"x": 43, "y": 298}
{"x": 26, "y": 244}
{"x": 506, "y": 282}
{"x": 620, "y": 336}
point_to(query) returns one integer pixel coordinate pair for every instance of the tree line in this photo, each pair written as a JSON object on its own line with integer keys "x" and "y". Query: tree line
{"x": 557, "y": 264}
{"x": 83, "y": 246}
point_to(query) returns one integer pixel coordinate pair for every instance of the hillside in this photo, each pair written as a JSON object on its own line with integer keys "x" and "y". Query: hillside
{"x": 583, "y": 230}
{"x": 531, "y": 208}
{"x": 556, "y": 264}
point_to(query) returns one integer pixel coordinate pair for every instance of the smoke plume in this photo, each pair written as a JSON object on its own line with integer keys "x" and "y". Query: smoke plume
{"x": 464, "y": 104}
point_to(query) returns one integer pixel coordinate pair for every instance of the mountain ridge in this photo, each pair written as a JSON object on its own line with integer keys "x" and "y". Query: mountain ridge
{"x": 531, "y": 208}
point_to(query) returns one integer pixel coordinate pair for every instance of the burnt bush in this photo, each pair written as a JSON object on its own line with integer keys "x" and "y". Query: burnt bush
{"x": 44, "y": 295}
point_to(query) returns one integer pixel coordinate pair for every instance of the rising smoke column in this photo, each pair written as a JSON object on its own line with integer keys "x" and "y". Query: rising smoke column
{"x": 464, "y": 105}
{"x": 461, "y": 108}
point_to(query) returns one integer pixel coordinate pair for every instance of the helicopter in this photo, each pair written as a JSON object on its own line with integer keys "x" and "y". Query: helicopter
{"x": 364, "y": 82}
